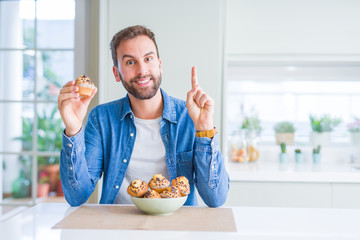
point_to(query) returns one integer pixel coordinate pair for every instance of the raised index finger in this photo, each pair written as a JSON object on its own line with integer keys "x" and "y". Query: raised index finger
{"x": 194, "y": 80}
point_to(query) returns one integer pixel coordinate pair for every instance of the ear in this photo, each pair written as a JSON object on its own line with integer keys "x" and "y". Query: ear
{"x": 116, "y": 74}
{"x": 160, "y": 66}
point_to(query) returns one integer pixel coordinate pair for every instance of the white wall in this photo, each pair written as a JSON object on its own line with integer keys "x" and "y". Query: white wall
{"x": 293, "y": 27}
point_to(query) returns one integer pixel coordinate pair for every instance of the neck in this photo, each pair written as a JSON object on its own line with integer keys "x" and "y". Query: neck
{"x": 149, "y": 108}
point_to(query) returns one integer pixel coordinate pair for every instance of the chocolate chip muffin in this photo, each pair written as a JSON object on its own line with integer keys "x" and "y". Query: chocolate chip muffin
{"x": 182, "y": 183}
{"x": 152, "y": 194}
{"x": 137, "y": 188}
{"x": 158, "y": 183}
{"x": 171, "y": 192}
{"x": 85, "y": 86}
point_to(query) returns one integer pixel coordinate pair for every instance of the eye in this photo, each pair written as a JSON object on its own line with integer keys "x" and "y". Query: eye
{"x": 148, "y": 59}
{"x": 130, "y": 62}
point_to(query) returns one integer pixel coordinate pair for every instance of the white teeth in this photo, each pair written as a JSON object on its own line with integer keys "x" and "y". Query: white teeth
{"x": 144, "y": 81}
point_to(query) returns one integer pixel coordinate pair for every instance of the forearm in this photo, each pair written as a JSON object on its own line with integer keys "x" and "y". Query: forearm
{"x": 74, "y": 174}
{"x": 212, "y": 180}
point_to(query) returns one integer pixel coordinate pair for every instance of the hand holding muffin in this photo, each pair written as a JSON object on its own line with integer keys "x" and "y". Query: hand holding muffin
{"x": 73, "y": 108}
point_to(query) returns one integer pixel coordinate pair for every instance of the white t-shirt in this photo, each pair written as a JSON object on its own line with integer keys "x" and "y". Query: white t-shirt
{"x": 147, "y": 159}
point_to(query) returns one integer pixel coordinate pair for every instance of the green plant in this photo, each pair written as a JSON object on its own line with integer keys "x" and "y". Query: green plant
{"x": 317, "y": 149}
{"x": 49, "y": 136}
{"x": 283, "y": 147}
{"x": 324, "y": 123}
{"x": 284, "y": 127}
{"x": 251, "y": 123}
{"x": 297, "y": 150}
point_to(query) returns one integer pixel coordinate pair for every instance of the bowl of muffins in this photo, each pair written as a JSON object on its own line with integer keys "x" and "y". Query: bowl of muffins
{"x": 159, "y": 196}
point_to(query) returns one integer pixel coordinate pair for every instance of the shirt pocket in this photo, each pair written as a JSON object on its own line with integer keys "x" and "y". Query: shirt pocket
{"x": 185, "y": 165}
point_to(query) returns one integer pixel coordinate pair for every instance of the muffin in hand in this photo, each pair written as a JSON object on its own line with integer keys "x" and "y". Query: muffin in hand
{"x": 85, "y": 86}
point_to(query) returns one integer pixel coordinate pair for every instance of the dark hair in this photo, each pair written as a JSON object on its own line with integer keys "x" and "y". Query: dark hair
{"x": 130, "y": 33}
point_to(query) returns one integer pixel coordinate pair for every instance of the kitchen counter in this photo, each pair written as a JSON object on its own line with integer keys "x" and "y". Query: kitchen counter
{"x": 262, "y": 171}
{"x": 251, "y": 222}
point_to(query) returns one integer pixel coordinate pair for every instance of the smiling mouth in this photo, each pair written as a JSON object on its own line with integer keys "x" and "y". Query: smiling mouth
{"x": 143, "y": 81}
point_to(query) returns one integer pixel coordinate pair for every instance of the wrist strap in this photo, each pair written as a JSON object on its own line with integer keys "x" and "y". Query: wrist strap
{"x": 208, "y": 133}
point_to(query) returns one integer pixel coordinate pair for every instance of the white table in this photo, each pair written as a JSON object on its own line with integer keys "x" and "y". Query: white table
{"x": 252, "y": 223}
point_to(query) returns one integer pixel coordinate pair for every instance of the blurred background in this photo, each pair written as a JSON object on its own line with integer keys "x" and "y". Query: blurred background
{"x": 279, "y": 71}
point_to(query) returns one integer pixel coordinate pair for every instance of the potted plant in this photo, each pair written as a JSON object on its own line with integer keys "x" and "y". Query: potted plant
{"x": 251, "y": 124}
{"x": 49, "y": 139}
{"x": 316, "y": 154}
{"x": 20, "y": 187}
{"x": 354, "y": 130}
{"x": 322, "y": 126}
{"x": 284, "y": 157}
{"x": 299, "y": 156}
{"x": 59, "y": 190}
{"x": 43, "y": 187}
{"x": 284, "y": 133}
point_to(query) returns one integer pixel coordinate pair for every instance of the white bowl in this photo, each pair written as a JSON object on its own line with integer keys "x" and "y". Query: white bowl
{"x": 159, "y": 206}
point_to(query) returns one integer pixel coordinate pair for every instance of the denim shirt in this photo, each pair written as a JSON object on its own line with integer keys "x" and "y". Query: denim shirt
{"x": 106, "y": 144}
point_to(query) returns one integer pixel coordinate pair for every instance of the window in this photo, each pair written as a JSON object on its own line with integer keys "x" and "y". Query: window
{"x": 36, "y": 60}
{"x": 285, "y": 91}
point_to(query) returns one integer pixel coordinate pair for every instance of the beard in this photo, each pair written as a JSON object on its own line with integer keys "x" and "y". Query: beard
{"x": 142, "y": 93}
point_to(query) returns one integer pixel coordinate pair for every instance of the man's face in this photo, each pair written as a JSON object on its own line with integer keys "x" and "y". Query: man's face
{"x": 139, "y": 67}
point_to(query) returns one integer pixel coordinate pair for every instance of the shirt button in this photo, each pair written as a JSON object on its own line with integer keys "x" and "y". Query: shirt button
{"x": 131, "y": 134}
{"x": 124, "y": 161}
{"x": 213, "y": 166}
{"x": 69, "y": 145}
{"x": 117, "y": 186}
{"x": 130, "y": 116}
{"x": 70, "y": 168}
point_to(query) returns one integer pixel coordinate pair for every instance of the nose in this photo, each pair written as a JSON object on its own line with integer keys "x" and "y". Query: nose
{"x": 142, "y": 69}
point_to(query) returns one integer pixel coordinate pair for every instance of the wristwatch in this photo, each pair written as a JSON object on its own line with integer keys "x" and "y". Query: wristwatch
{"x": 208, "y": 133}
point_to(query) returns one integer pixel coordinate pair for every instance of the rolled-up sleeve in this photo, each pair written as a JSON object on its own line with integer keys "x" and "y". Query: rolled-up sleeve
{"x": 80, "y": 164}
{"x": 212, "y": 180}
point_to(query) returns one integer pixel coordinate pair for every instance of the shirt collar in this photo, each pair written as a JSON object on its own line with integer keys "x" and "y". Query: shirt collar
{"x": 169, "y": 112}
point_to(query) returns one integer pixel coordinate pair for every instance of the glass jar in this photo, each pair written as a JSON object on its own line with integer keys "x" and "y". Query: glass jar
{"x": 239, "y": 147}
{"x": 253, "y": 141}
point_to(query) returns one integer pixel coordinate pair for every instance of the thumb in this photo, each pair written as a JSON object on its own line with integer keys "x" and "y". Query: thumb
{"x": 87, "y": 100}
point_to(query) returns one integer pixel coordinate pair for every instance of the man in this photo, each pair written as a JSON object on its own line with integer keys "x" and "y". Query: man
{"x": 145, "y": 133}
